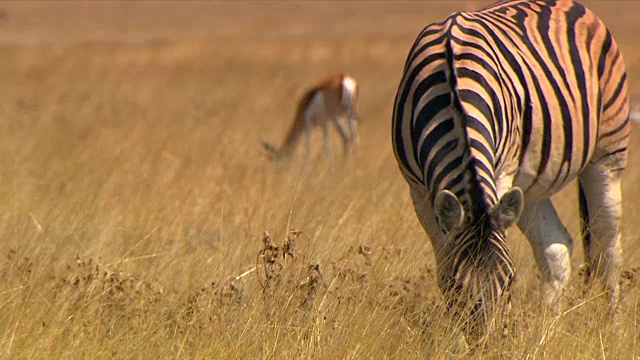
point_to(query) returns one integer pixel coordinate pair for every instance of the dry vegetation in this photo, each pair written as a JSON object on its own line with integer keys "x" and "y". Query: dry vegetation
{"x": 135, "y": 196}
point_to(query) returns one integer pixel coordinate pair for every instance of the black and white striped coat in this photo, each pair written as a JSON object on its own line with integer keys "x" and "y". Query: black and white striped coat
{"x": 496, "y": 111}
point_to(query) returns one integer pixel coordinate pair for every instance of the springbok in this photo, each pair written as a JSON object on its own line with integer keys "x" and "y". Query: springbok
{"x": 329, "y": 101}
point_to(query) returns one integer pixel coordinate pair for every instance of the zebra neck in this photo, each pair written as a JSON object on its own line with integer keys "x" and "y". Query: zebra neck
{"x": 478, "y": 192}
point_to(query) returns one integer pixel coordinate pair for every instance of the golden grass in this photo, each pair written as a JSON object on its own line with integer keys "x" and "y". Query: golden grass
{"x": 135, "y": 195}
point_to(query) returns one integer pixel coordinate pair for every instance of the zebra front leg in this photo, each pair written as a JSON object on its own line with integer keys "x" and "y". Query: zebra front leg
{"x": 552, "y": 247}
{"x": 426, "y": 217}
{"x": 424, "y": 212}
{"x": 601, "y": 210}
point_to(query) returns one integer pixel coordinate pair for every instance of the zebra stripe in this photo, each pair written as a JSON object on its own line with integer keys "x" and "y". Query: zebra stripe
{"x": 523, "y": 95}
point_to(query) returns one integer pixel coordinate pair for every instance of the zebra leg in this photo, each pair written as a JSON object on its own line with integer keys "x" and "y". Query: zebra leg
{"x": 552, "y": 247}
{"x": 426, "y": 217}
{"x": 601, "y": 210}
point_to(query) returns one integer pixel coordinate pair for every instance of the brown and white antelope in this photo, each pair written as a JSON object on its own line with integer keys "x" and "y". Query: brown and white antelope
{"x": 330, "y": 101}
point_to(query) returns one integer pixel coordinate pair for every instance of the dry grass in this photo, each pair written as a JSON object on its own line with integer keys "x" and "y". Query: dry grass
{"x": 135, "y": 195}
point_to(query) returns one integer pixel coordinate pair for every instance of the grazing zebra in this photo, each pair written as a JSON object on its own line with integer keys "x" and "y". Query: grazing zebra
{"x": 496, "y": 111}
{"x": 329, "y": 101}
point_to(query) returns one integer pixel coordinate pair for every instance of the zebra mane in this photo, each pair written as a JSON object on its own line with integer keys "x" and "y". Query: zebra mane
{"x": 475, "y": 195}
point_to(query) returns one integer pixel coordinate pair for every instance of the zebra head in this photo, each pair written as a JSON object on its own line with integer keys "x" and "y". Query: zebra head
{"x": 478, "y": 268}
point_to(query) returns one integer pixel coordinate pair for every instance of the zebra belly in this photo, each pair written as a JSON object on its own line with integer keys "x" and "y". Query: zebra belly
{"x": 554, "y": 158}
{"x": 541, "y": 186}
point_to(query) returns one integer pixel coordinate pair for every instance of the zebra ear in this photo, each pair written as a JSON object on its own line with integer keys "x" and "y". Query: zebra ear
{"x": 449, "y": 211}
{"x": 509, "y": 208}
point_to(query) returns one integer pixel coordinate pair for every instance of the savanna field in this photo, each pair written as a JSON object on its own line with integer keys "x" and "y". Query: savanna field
{"x": 135, "y": 195}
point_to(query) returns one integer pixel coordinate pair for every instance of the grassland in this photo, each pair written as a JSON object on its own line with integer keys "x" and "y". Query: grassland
{"x": 134, "y": 194}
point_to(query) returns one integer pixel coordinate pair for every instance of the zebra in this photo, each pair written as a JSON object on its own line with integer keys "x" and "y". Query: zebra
{"x": 328, "y": 101}
{"x": 497, "y": 110}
